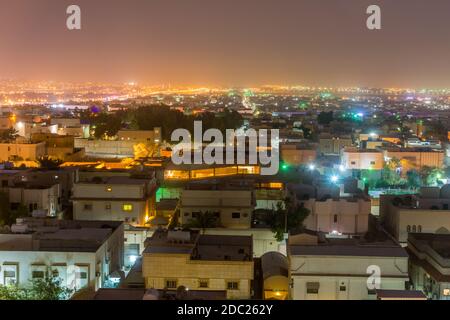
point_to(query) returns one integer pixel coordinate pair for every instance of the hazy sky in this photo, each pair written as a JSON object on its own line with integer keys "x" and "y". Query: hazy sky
{"x": 228, "y": 42}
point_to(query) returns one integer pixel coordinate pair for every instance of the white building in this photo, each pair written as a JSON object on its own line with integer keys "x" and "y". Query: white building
{"x": 339, "y": 269}
{"x": 430, "y": 264}
{"x": 38, "y": 199}
{"x": 114, "y": 198}
{"x": 343, "y": 215}
{"x": 81, "y": 253}
{"x": 427, "y": 212}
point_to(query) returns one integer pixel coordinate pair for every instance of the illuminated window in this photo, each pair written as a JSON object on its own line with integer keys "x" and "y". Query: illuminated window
{"x": 171, "y": 284}
{"x": 108, "y": 189}
{"x": 127, "y": 207}
{"x": 446, "y": 292}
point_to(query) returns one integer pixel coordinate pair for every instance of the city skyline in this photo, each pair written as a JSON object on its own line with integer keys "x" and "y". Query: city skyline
{"x": 315, "y": 43}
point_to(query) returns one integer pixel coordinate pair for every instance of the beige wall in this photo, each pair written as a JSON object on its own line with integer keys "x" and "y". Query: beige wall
{"x": 296, "y": 157}
{"x": 144, "y": 136}
{"x": 417, "y": 160}
{"x": 334, "y": 145}
{"x": 430, "y": 221}
{"x": 360, "y": 160}
{"x": 224, "y": 201}
{"x": 24, "y": 151}
{"x": 157, "y": 268}
{"x": 352, "y": 217}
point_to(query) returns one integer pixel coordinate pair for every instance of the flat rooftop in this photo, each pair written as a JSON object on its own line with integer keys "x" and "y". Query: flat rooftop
{"x": 440, "y": 243}
{"x": 59, "y": 236}
{"x": 220, "y": 248}
{"x": 115, "y": 180}
{"x": 201, "y": 247}
{"x": 350, "y": 247}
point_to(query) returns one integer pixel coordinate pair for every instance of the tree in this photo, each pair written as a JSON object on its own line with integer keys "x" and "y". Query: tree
{"x": 282, "y": 220}
{"x": 413, "y": 179}
{"x": 49, "y": 288}
{"x": 431, "y": 176}
{"x": 8, "y": 215}
{"x": 325, "y": 118}
{"x": 49, "y": 163}
{"x": 12, "y": 292}
{"x": 9, "y": 135}
{"x": 391, "y": 173}
{"x": 202, "y": 220}
{"x": 107, "y": 125}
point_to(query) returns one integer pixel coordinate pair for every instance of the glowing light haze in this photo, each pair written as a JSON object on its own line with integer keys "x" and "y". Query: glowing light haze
{"x": 228, "y": 42}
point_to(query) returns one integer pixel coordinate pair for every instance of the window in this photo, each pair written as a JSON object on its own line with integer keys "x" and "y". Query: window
{"x": 446, "y": 292}
{"x": 372, "y": 163}
{"x": 171, "y": 284}
{"x": 10, "y": 274}
{"x": 203, "y": 283}
{"x": 414, "y": 229}
{"x": 353, "y": 162}
{"x": 408, "y": 228}
{"x": 88, "y": 207}
{"x": 81, "y": 276}
{"x": 419, "y": 229}
{"x": 342, "y": 288}
{"x": 232, "y": 285}
{"x": 186, "y": 214}
{"x": 108, "y": 189}
{"x": 236, "y": 215}
{"x": 196, "y": 214}
{"x": 312, "y": 287}
{"x": 127, "y": 207}
{"x": 108, "y": 206}
{"x": 335, "y": 218}
{"x": 37, "y": 274}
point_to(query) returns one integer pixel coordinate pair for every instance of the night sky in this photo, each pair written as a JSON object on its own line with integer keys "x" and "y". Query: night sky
{"x": 228, "y": 42}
